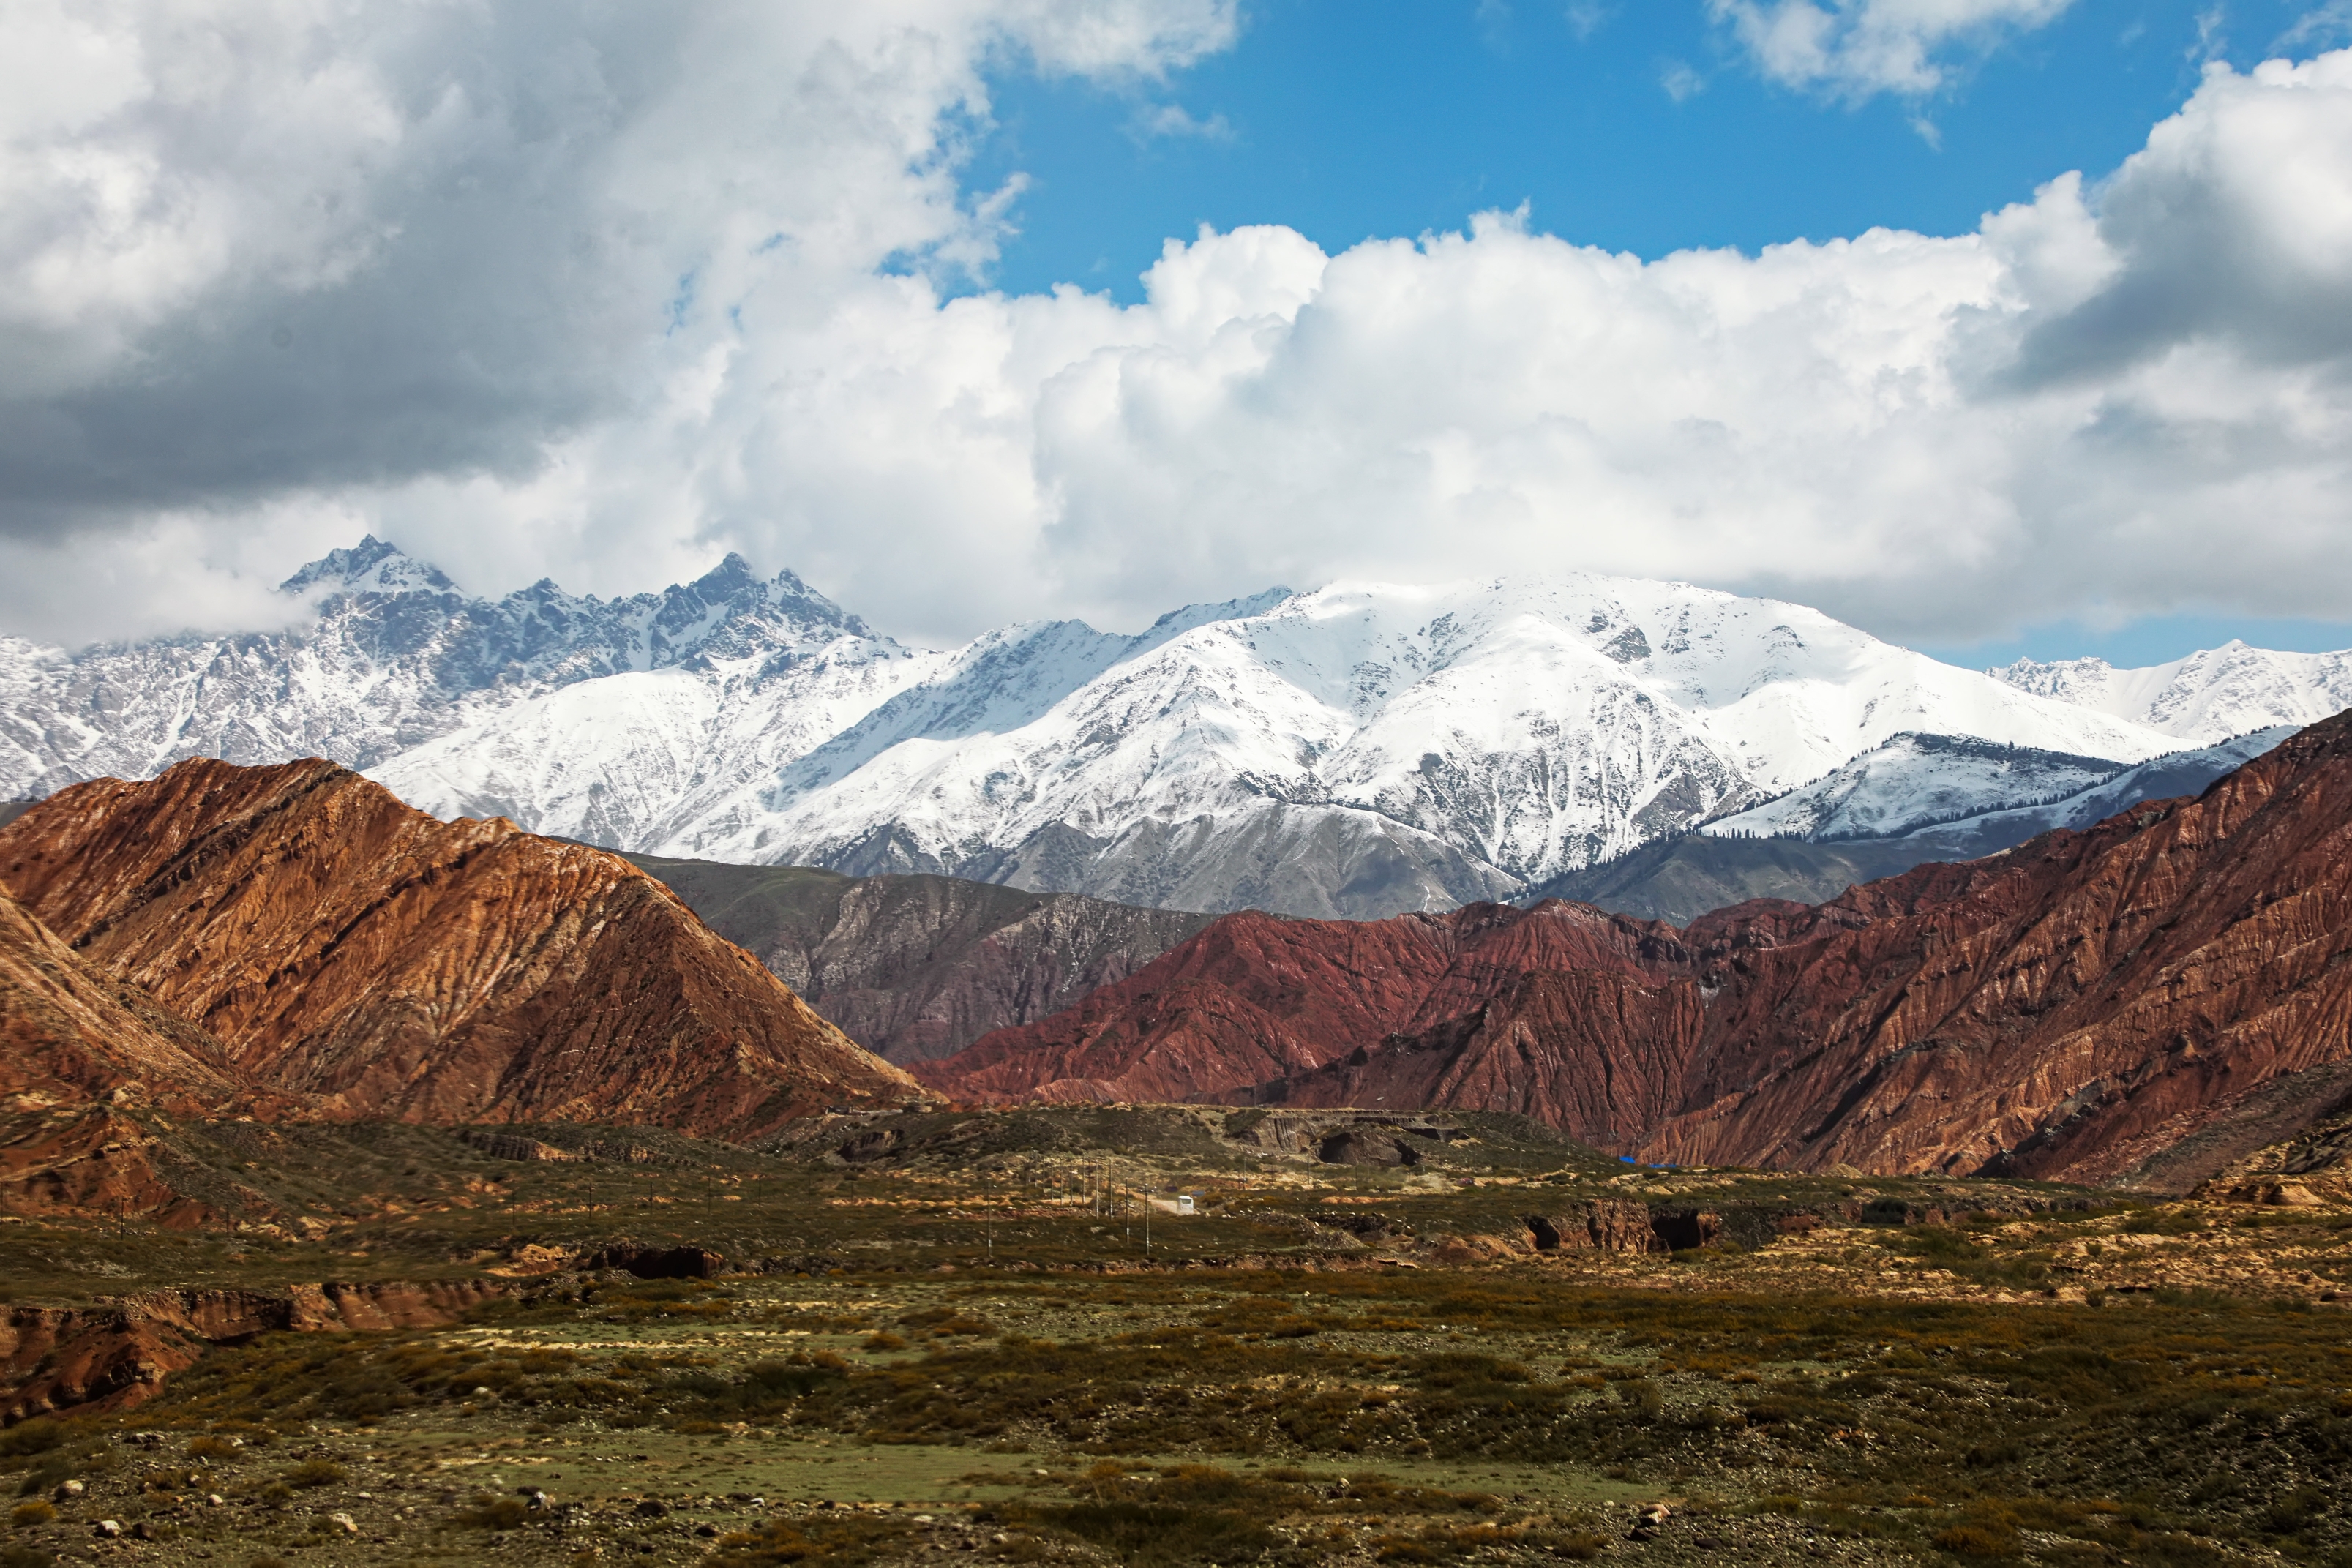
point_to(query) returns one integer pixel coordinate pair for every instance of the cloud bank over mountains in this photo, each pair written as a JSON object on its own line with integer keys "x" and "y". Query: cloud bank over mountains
{"x": 599, "y": 296}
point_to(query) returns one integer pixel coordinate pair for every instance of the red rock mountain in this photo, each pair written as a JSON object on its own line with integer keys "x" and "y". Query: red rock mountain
{"x": 339, "y": 945}
{"x": 1259, "y": 997}
{"x": 2144, "y": 1001}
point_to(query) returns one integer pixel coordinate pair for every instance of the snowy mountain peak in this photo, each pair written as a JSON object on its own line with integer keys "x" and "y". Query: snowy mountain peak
{"x": 372, "y": 566}
{"x": 1176, "y": 623}
{"x": 395, "y": 658}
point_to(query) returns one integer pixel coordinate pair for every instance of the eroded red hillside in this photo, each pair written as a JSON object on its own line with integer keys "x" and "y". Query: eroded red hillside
{"x": 2086, "y": 1005}
{"x": 1257, "y": 997}
{"x": 340, "y": 945}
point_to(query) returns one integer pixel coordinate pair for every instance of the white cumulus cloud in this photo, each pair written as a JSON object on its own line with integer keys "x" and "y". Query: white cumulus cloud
{"x": 1858, "y": 48}
{"x": 599, "y": 305}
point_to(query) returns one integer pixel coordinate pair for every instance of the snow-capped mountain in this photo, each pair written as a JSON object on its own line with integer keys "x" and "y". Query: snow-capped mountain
{"x": 1438, "y": 743}
{"x": 1357, "y": 751}
{"x": 2204, "y": 698}
{"x": 394, "y": 655}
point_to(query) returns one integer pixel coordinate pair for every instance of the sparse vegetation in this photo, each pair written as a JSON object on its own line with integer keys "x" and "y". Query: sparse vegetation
{"x": 1929, "y": 1372}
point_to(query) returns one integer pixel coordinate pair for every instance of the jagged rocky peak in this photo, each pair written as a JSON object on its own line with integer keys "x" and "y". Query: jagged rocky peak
{"x": 370, "y": 565}
{"x": 730, "y": 612}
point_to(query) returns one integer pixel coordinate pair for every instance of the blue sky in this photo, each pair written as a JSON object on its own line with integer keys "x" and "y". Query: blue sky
{"x": 1631, "y": 126}
{"x": 1380, "y": 118}
{"x": 763, "y": 276}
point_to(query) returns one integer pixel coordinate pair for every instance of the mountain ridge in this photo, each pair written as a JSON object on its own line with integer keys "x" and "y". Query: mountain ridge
{"x": 2080, "y": 1007}
{"x": 1356, "y": 750}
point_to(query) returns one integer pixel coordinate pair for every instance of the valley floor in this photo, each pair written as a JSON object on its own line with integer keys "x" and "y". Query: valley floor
{"x": 962, "y": 1350}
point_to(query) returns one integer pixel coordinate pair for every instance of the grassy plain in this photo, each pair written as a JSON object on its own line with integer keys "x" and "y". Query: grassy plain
{"x": 961, "y": 1347}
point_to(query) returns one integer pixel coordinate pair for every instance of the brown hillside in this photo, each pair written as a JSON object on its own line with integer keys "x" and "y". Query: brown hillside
{"x": 339, "y": 944}
{"x": 1262, "y": 997}
{"x": 71, "y": 1034}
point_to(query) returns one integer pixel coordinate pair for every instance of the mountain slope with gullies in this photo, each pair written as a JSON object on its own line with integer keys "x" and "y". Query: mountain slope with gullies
{"x": 917, "y": 968}
{"x": 342, "y": 945}
{"x": 1258, "y": 998}
{"x": 83, "y": 1056}
{"x": 71, "y": 1034}
{"x": 2138, "y": 1002}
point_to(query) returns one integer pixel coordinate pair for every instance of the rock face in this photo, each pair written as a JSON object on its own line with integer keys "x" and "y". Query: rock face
{"x": 116, "y": 1357}
{"x": 918, "y": 967}
{"x": 339, "y": 945}
{"x": 2142, "y": 1002}
{"x": 1256, "y": 999}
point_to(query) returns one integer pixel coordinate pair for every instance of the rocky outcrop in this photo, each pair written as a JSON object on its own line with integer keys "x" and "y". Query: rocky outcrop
{"x": 918, "y": 967}
{"x": 657, "y": 1263}
{"x": 117, "y": 1354}
{"x": 1600, "y": 1225}
{"x": 341, "y": 946}
{"x": 1256, "y": 998}
{"x": 92, "y": 1159}
{"x": 2141, "y": 1003}
{"x": 2312, "y": 1168}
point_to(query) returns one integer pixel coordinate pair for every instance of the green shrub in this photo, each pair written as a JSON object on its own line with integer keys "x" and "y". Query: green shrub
{"x": 495, "y": 1513}
{"x": 37, "y": 1436}
{"x": 1151, "y": 1534}
{"x": 315, "y": 1473}
{"x": 1978, "y": 1540}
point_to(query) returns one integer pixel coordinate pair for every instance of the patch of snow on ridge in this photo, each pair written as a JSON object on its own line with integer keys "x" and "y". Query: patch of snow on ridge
{"x": 2205, "y": 698}
{"x": 2162, "y": 778}
{"x": 1914, "y": 782}
{"x": 1958, "y": 791}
